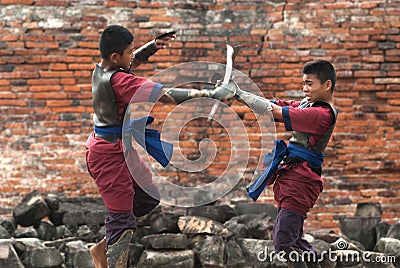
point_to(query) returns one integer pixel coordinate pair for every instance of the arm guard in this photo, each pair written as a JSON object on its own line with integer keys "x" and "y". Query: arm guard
{"x": 144, "y": 52}
{"x": 258, "y": 104}
{"x": 179, "y": 95}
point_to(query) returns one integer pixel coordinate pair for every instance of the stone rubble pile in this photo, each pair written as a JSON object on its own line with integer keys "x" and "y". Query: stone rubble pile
{"x": 51, "y": 231}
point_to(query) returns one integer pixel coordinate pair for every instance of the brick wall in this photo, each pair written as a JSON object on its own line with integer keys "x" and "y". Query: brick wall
{"x": 48, "y": 49}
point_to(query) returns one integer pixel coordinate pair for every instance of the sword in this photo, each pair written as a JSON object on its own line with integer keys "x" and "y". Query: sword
{"x": 231, "y": 54}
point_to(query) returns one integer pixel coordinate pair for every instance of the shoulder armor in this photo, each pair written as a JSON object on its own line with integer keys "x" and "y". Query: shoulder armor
{"x": 105, "y": 104}
{"x": 302, "y": 138}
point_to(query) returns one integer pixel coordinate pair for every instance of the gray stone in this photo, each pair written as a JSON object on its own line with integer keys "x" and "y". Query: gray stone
{"x": 147, "y": 219}
{"x": 257, "y": 208}
{"x": 165, "y": 241}
{"x": 257, "y": 252}
{"x": 45, "y": 257}
{"x": 278, "y": 262}
{"x": 369, "y": 209}
{"x": 178, "y": 259}
{"x": 389, "y": 246}
{"x": 210, "y": 251}
{"x": 25, "y": 233}
{"x": 238, "y": 225}
{"x": 8, "y": 255}
{"x": 239, "y": 229}
{"x": 135, "y": 251}
{"x": 321, "y": 246}
{"x": 81, "y": 214}
{"x": 394, "y": 231}
{"x": 59, "y": 243}
{"x": 142, "y": 232}
{"x": 24, "y": 247}
{"x": 62, "y": 232}
{"x": 220, "y": 213}
{"x": 4, "y": 234}
{"x": 233, "y": 253}
{"x": 309, "y": 238}
{"x": 327, "y": 236}
{"x": 78, "y": 212}
{"x": 202, "y": 225}
{"x": 101, "y": 233}
{"x": 8, "y": 224}
{"x": 165, "y": 223}
{"x": 84, "y": 231}
{"x": 77, "y": 254}
{"x": 52, "y": 201}
{"x": 32, "y": 209}
{"x": 45, "y": 231}
{"x": 27, "y": 243}
{"x": 381, "y": 229}
{"x": 360, "y": 229}
{"x": 193, "y": 239}
{"x": 260, "y": 227}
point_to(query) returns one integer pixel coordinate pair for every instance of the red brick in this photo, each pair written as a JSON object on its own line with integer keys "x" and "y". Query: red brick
{"x": 78, "y": 66}
{"x": 13, "y": 102}
{"x": 17, "y": 2}
{"x": 9, "y": 38}
{"x": 4, "y": 82}
{"x": 48, "y": 88}
{"x": 58, "y": 66}
{"x": 83, "y": 52}
{"x": 58, "y": 103}
{"x": 50, "y": 45}
{"x": 158, "y": 12}
{"x": 93, "y": 45}
{"x": 50, "y": 74}
{"x": 199, "y": 45}
{"x": 52, "y": 2}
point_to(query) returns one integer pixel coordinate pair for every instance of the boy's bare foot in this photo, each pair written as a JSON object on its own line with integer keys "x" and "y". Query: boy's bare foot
{"x": 98, "y": 252}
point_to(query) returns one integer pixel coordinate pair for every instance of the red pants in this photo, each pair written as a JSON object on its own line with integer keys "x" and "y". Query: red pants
{"x": 113, "y": 179}
{"x": 116, "y": 186}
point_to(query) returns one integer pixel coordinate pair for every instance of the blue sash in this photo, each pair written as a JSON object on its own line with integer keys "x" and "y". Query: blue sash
{"x": 273, "y": 160}
{"x": 116, "y": 130}
{"x": 149, "y": 139}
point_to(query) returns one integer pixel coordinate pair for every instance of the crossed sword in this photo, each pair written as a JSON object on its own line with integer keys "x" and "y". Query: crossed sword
{"x": 231, "y": 53}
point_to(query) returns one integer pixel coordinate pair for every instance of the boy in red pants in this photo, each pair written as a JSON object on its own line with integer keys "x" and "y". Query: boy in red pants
{"x": 113, "y": 89}
{"x": 296, "y": 169}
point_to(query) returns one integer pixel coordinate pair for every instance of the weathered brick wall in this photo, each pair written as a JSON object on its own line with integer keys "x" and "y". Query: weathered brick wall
{"x": 48, "y": 49}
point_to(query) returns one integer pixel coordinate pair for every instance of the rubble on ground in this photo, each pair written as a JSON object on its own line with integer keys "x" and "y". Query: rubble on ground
{"x": 52, "y": 231}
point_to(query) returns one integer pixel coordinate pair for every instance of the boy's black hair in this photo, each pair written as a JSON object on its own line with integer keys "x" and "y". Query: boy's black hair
{"x": 114, "y": 39}
{"x": 323, "y": 70}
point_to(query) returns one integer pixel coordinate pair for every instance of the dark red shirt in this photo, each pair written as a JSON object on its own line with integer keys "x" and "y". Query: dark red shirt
{"x": 127, "y": 89}
{"x": 297, "y": 186}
